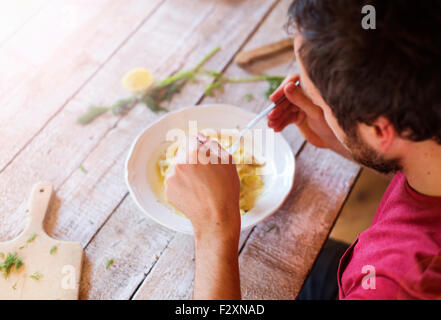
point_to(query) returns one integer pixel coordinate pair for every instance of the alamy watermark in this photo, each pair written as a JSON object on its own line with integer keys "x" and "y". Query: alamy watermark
{"x": 369, "y": 20}
{"x": 257, "y": 145}
{"x": 368, "y": 281}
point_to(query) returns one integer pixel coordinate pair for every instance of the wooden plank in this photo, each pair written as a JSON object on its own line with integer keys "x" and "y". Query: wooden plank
{"x": 168, "y": 49}
{"x": 15, "y": 14}
{"x": 85, "y": 200}
{"x": 176, "y": 279}
{"x": 172, "y": 276}
{"x": 186, "y": 272}
{"x": 126, "y": 238}
{"x": 275, "y": 263}
{"x": 52, "y": 56}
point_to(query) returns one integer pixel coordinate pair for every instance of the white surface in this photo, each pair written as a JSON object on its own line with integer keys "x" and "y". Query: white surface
{"x": 141, "y": 173}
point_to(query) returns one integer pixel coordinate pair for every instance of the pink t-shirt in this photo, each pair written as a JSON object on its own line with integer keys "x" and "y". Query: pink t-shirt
{"x": 399, "y": 256}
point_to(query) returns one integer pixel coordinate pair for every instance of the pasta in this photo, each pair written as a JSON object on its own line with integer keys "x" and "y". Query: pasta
{"x": 251, "y": 183}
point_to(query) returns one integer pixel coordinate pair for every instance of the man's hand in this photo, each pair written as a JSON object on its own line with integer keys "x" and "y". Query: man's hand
{"x": 208, "y": 194}
{"x": 300, "y": 110}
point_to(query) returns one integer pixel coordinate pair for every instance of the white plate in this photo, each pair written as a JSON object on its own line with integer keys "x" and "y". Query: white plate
{"x": 141, "y": 172}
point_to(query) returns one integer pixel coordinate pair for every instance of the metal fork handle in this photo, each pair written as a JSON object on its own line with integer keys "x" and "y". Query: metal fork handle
{"x": 236, "y": 144}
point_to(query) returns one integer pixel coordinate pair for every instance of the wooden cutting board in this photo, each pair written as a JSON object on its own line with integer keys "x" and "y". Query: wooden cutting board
{"x": 50, "y": 269}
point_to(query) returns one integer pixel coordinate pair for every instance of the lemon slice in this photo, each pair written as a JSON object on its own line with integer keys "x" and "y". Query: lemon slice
{"x": 137, "y": 80}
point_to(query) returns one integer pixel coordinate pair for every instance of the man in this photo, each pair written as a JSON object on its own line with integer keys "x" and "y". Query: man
{"x": 371, "y": 95}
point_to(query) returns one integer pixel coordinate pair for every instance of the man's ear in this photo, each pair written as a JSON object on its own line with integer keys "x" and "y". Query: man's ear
{"x": 384, "y": 133}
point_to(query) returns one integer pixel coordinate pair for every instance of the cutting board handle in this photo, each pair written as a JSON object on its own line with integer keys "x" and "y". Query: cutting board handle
{"x": 39, "y": 202}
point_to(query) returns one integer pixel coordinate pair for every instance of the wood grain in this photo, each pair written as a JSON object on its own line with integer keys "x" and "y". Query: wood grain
{"x": 92, "y": 205}
{"x": 278, "y": 261}
{"x": 87, "y": 199}
{"x": 179, "y": 284}
{"x": 51, "y": 57}
{"x": 170, "y": 48}
{"x": 134, "y": 242}
{"x": 177, "y": 277}
{"x": 14, "y": 14}
{"x": 172, "y": 277}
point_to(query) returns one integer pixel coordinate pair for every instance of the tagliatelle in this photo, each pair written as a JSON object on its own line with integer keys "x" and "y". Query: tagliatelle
{"x": 251, "y": 183}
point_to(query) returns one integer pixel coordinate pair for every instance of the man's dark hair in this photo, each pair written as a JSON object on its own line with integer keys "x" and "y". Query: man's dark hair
{"x": 392, "y": 71}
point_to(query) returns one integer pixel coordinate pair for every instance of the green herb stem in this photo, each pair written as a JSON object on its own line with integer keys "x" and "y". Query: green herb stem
{"x": 206, "y": 58}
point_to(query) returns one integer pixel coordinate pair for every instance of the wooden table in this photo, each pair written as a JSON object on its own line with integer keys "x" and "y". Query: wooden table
{"x": 58, "y": 57}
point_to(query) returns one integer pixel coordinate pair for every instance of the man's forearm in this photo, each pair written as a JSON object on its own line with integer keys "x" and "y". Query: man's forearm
{"x": 338, "y": 147}
{"x": 217, "y": 269}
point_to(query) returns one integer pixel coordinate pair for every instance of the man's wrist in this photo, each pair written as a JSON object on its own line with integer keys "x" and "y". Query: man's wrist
{"x": 223, "y": 228}
{"x": 219, "y": 240}
{"x": 217, "y": 248}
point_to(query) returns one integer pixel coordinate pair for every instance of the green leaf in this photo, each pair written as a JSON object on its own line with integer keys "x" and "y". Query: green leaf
{"x": 92, "y": 114}
{"x": 109, "y": 263}
{"x": 32, "y": 237}
{"x": 273, "y": 227}
{"x": 152, "y": 104}
{"x": 249, "y": 97}
{"x": 18, "y": 263}
{"x": 53, "y": 250}
{"x": 83, "y": 169}
{"x": 10, "y": 261}
{"x": 36, "y": 275}
{"x": 274, "y": 83}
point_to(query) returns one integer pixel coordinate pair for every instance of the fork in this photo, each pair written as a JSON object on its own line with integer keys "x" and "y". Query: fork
{"x": 233, "y": 148}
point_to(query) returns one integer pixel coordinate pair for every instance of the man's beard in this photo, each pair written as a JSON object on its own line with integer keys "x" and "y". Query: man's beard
{"x": 365, "y": 155}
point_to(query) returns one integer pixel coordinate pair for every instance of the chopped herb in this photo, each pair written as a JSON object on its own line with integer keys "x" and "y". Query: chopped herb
{"x": 53, "y": 250}
{"x": 249, "y": 97}
{"x": 14, "y": 286}
{"x": 32, "y": 237}
{"x": 2, "y": 255}
{"x": 272, "y": 227}
{"x": 18, "y": 263}
{"x": 36, "y": 275}
{"x": 21, "y": 247}
{"x": 90, "y": 221}
{"x": 10, "y": 261}
{"x": 274, "y": 83}
{"x": 109, "y": 263}
{"x": 83, "y": 169}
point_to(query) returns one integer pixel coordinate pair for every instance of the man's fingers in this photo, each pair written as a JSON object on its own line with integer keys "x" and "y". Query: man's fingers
{"x": 201, "y": 150}
{"x": 218, "y": 153}
{"x": 296, "y": 96}
{"x": 279, "y": 111}
{"x": 289, "y": 119}
{"x": 189, "y": 147}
